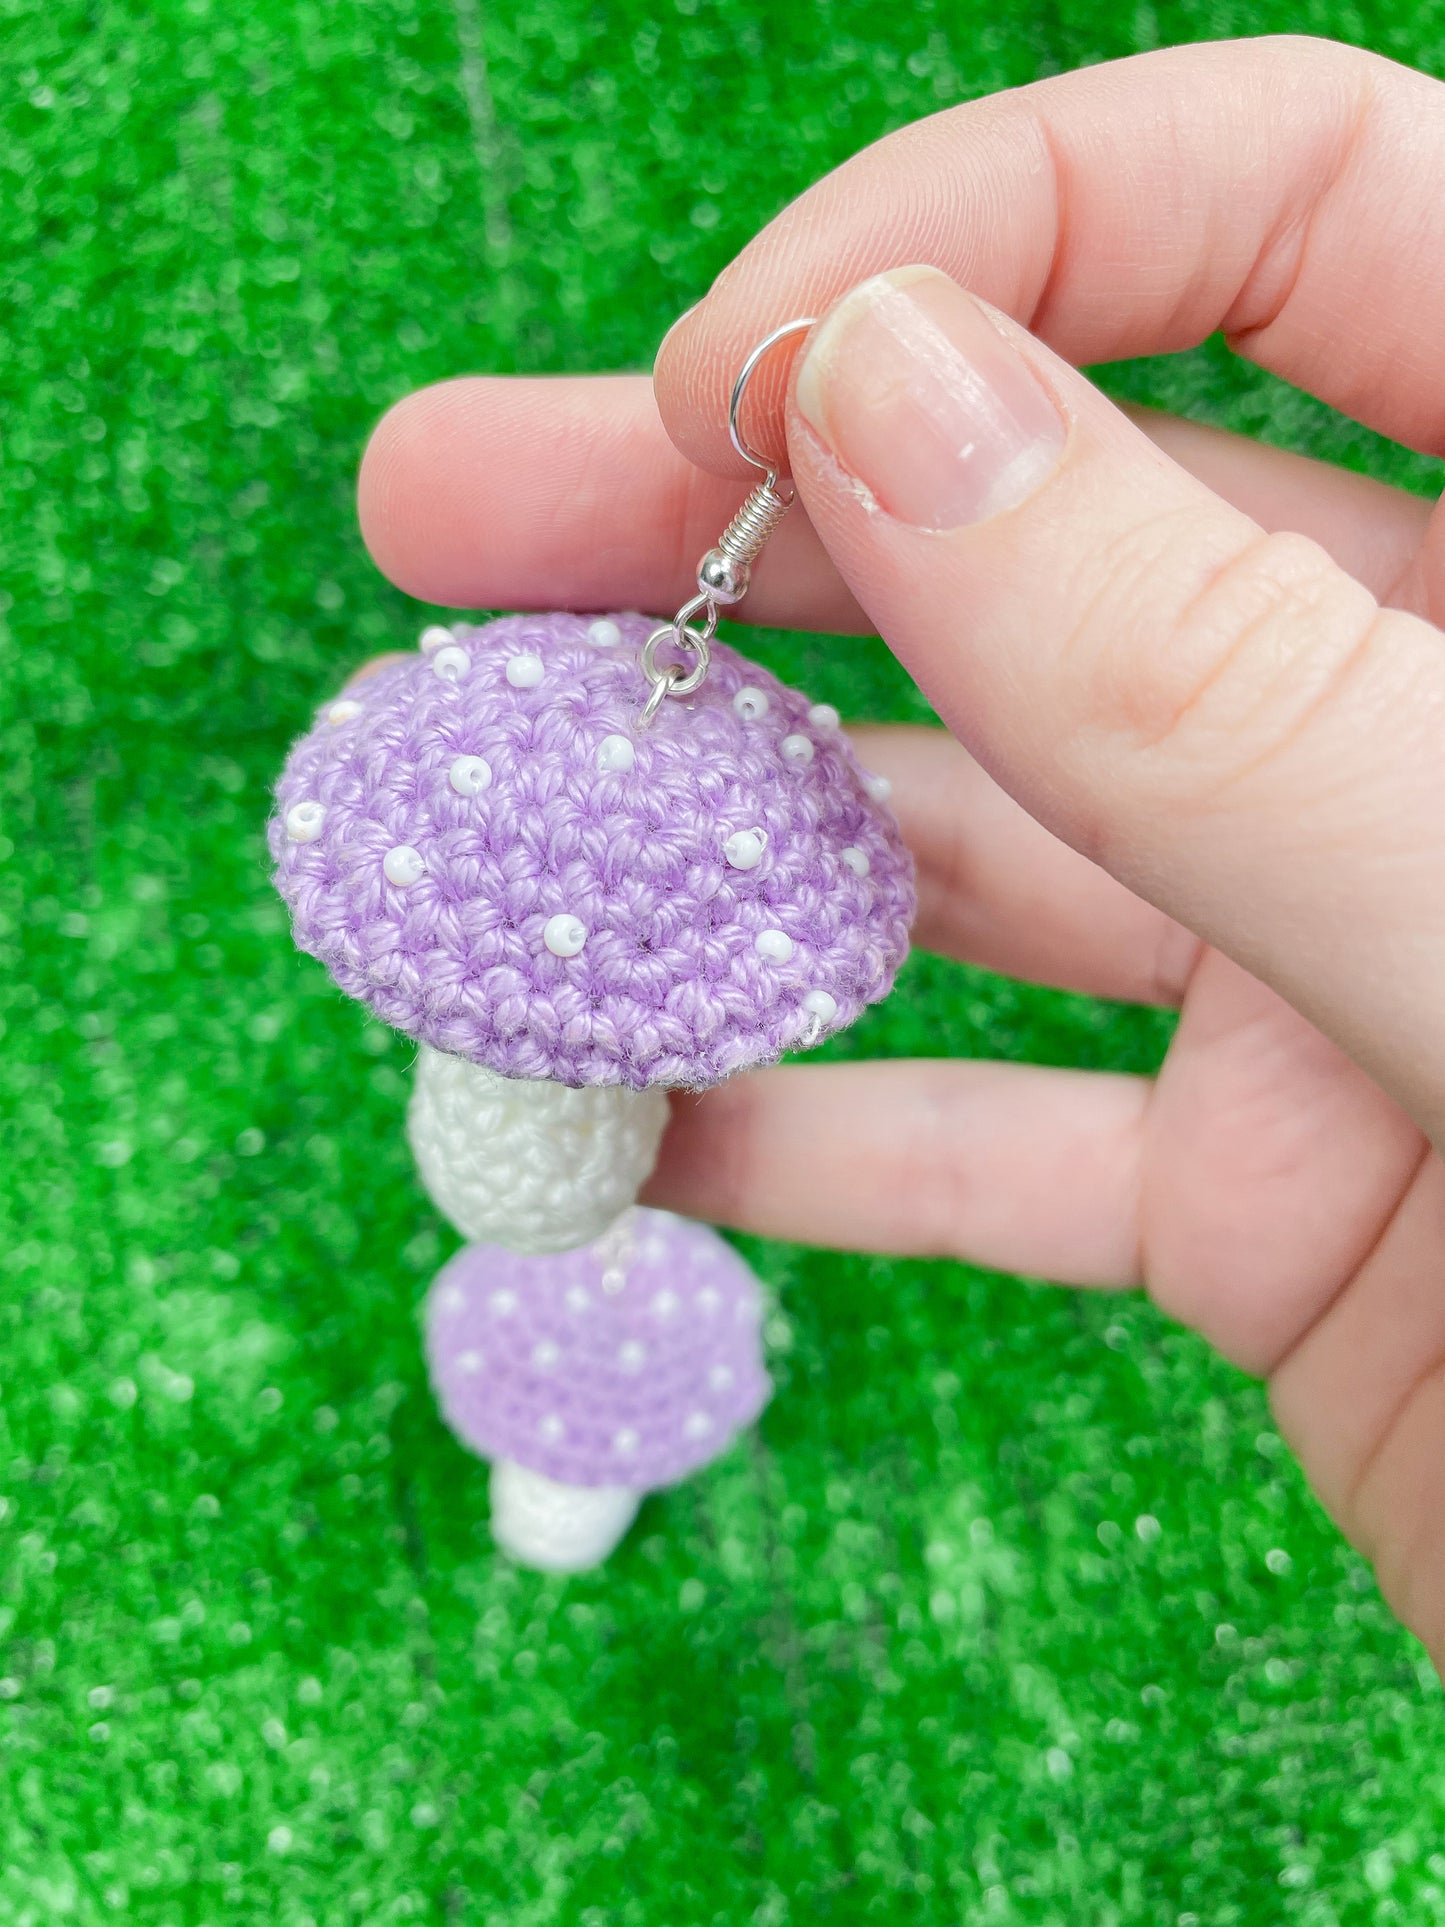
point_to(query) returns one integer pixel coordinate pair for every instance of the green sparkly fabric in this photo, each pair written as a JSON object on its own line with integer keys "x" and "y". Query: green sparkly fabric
{"x": 1015, "y": 1610}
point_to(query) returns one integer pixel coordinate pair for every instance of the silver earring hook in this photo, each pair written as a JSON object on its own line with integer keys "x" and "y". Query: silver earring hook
{"x": 745, "y": 375}
{"x": 724, "y": 572}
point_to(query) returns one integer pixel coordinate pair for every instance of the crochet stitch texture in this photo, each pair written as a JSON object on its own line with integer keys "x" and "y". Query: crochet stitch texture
{"x": 629, "y": 1362}
{"x": 525, "y": 1163}
{"x": 455, "y": 843}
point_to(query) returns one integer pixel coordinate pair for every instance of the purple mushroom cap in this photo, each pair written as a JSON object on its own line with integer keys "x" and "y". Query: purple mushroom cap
{"x": 484, "y": 847}
{"x": 608, "y": 1365}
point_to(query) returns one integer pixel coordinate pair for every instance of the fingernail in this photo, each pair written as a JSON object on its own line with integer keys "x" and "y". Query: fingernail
{"x": 921, "y": 398}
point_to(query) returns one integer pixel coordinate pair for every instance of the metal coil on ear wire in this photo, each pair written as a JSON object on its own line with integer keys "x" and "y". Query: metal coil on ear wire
{"x": 754, "y": 522}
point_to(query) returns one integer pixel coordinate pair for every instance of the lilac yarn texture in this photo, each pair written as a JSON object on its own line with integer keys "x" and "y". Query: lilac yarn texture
{"x": 629, "y": 1362}
{"x": 484, "y": 848}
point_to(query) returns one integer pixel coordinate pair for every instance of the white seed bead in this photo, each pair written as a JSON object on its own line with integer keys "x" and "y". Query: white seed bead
{"x": 775, "y": 945}
{"x": 564, "y": 934}
{"x": 552, "y": 1429}
{"x": 720, "y": 1377}
{"x": 878, "y": 787}
{"x": 664, "y": 1304}
{"x": 342, "y": 712}
{"x": 824, "y": 716}
{"x": 696, "y": 1425}
{"x": 525, "y": 672}
{"x": 577, "y": 1298}
{"x": 604, "y": 633}
{"x": 545, "y": 1355}
{"x": 797, "y": 749}
{"x": 452, "y": 1299}
{"x": 616, "y": 753}
{"x": 469, "y": 1363}
{"x": 403, "y": 864}
{"x": 469, "y": 775}
{"x": 304, "y": 821}
{"x": 632, "y": 1356}
{"x": 821, "y": 1004}
{"x": 856, "y": 860}
{"x": 750, "y": 703}
{"x": 451, "y": 663}
{"x": 503, "y": 1303}
{"x": 744, "y": 849}
{"x": 708, "y": 1300}
{"x": 625, "y": 1442}
{"x": 434, "y": 637}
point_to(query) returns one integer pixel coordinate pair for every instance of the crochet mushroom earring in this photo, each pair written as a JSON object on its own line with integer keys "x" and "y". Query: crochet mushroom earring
{"x": 581, "y": 873}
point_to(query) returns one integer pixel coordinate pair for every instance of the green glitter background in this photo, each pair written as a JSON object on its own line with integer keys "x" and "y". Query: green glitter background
{"x": 1015, "y": 1610}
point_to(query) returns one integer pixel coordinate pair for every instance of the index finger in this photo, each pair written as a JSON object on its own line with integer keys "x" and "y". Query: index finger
{"x": 1283, "y": 190}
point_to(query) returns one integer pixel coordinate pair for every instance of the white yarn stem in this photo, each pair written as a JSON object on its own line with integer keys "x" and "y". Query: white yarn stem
{"x": 532, "y": 1165}
{"x": 557, "y": 1528}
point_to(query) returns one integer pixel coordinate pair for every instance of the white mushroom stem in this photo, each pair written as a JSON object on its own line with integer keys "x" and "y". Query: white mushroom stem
{"x": 557, "y": 1528}
{"x": 531, "y": 1165}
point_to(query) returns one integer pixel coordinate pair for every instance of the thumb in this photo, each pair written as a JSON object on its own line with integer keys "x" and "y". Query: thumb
{"x": 1222, "y": 718}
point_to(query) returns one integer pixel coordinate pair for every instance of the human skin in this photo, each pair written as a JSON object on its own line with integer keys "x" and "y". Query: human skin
{"x": 1195, "y": 690}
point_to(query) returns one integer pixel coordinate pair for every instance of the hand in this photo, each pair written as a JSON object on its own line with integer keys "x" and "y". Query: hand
{"x": 1198, "y": 699}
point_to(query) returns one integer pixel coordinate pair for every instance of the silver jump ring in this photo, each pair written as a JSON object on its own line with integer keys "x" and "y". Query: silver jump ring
{"x": 672, "y": 678}
{"x": 664, "y": 686}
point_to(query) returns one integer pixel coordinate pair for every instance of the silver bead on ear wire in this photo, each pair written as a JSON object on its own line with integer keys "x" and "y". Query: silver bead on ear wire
{"x": 724, "y": 573}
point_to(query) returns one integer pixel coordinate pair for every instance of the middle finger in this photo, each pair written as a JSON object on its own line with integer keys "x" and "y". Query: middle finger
{"x": 995, "y": 888}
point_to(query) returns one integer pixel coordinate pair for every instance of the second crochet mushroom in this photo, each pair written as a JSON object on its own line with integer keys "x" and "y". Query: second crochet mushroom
{"x": 574, "y": 909}
{"x": 593, "y": 1377}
